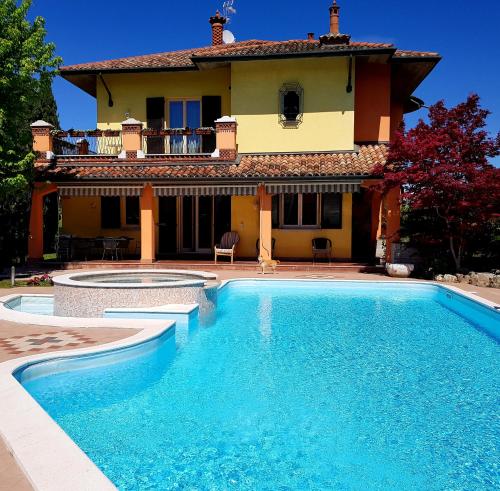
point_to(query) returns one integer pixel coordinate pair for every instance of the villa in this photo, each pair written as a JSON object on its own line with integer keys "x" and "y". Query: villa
{"x": 275, "y": 140}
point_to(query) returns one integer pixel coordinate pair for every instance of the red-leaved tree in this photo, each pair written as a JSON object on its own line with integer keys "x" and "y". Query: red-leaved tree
{"x": 442, "y": 168}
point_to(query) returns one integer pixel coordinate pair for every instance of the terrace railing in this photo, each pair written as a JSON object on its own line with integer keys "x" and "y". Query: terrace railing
{"x": 95, "y": 142}
{"x": 178, "y": 141}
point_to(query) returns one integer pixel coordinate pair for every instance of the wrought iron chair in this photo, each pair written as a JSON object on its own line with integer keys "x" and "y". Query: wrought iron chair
{"x": 227, "y": 245}
{"x": 64, "y": 247}
{"x": 110, "y": 245}
{"x": 322, "y": 246}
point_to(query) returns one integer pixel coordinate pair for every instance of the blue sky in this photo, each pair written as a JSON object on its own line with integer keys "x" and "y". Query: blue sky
{"x": 465, "y": 33}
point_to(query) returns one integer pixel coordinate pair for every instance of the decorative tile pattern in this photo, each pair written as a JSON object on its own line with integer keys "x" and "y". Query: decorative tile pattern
{"x": 33, "y": 343}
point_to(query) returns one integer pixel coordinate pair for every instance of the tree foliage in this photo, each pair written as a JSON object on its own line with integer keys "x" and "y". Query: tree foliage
{"x": 449, "y": 189}
{"x": 27, "y": 65}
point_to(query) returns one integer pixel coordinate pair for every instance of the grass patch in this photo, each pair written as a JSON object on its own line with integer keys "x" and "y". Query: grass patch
{"x": 6, "y": 283}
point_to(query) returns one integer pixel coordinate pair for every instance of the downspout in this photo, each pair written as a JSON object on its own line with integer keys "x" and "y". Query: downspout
{"x": 348, "y": 88}
{"x": 110, "y": 98}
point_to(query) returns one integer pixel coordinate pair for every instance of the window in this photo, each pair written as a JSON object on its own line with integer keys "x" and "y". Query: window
{"x": 185, "y": 114}
{"x": 307, "y": 210}
{"x": 110, "y": 212}
{"x": 132, "y": 210}
{"x": 296, "y": 210}
{"x": 331, "y": 210}
{"x": 291, "y": 105}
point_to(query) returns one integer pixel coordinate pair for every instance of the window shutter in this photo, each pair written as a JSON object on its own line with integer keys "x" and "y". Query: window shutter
{"x": 211, "y": 109}
{"x": 155, "y": 116}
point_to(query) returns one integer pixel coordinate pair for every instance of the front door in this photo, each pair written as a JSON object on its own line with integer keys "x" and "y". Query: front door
{"x": 167, "y": 224}
{"x": 197, "y": 224}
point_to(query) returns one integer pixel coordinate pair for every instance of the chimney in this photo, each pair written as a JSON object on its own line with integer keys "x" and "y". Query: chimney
{"x": 217, "y": 22}
{"x": 310, "y": 36}
{"x": 334, "y": 18}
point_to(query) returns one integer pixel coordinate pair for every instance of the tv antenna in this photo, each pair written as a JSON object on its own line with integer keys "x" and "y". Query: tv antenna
{"x": 228, "y": 9}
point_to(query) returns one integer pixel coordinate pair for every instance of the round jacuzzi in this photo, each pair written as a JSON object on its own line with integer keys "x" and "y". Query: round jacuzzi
{"x": 89, "y": 294}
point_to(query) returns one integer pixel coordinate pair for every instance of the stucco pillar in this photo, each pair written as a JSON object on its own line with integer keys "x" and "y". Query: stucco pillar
{"x": 35, "y": 237}
{"x": 393, "y": 219}
{"x": 265, "y": 223}
{"x": 148, "y": 242}
{"x": 375, "y": 215}
{"x": 42, "y": 138}
{"x": 225, "y": 136}
{"x": 131, "y": 139}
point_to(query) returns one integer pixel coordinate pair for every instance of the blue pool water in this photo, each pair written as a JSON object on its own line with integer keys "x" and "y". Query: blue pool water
{"x": 296, "y": 386}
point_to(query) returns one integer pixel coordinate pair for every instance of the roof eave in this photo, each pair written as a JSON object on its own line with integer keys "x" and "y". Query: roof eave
{"x": 307, "y": 54}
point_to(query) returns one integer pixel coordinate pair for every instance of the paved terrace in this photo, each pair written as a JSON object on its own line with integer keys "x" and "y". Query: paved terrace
{"x": 18, "y": 340}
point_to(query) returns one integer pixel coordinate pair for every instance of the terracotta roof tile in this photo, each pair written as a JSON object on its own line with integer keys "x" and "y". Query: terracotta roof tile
{"x": 254, "y": 166}
{"x": 184, "y": 58}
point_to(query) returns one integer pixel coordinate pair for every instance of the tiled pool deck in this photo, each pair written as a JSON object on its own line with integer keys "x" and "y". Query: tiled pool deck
{"x": 18, "y": 340}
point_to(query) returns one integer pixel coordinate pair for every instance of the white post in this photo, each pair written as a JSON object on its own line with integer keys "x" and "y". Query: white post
{"x": 13, "y": 276}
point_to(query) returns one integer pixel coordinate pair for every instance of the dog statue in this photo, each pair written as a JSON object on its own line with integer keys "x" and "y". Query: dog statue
{"x": 267, "y": 264}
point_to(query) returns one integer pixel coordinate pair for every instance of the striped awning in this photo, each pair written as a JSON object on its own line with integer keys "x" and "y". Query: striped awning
{"x": 215, "y": 190}
{"x": 89, "y": 191}
{"x": 313, "y": 187}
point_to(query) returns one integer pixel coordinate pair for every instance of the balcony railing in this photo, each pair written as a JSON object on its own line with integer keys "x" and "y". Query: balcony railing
{"x": 178, "y": 141}
{"x": 95, "y": 142}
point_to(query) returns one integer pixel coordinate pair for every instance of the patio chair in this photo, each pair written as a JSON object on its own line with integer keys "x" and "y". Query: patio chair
{"x": 110, "y": 245}
{"x": 322, "y": 246}
{"x": 257, "y": 247}
{"x": 64, "y": 247}
{"x": 123, "y": 246}
{"x": 227, "y": 245}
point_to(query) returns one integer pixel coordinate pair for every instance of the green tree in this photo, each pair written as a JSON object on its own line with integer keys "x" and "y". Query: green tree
{"x": 27, "y": 66}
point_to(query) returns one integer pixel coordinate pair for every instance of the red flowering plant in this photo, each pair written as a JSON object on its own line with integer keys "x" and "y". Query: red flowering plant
{"x": 43, "y": 280}
{"x": 449, "y": 188}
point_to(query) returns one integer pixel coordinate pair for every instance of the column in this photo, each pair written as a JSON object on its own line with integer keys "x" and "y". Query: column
{"x": 131, "y": 139}
{"x": 266, "y": 224}
{"x": 225, "y": 136}
{"x": 148, "y": 243}
{"x": 393, "y": 220}
{"x": 42, "y": 138}
{"x": 35, "y": 236}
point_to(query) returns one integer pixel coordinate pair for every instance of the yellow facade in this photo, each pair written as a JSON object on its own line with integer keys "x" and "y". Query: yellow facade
{"x": 290, "y": 243}
{"x": 130, "y": 91}
{"x": 328, "y": 117}
{"x": 82, "y": 217}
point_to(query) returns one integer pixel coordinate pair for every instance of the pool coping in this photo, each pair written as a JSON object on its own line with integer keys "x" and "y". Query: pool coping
{"x": 67, "y": 279}
{"x": 49, "y": 458}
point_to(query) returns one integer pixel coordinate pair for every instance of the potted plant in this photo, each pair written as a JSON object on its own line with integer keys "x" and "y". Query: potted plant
{"x": 95, "y": 132}
{"x": 76, "y": 133}
{"x": 203, "y": 131}
{"x": 111, "y": 132}
{"x": 150, "y": 132}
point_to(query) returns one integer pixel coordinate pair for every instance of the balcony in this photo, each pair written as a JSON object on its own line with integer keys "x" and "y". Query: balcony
{"x": 95, "y": 142}
{"x": 178, "y": 141}
{"x": 133, "y": 142}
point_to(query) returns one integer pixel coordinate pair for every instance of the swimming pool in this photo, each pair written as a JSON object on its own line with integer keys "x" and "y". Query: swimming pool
{"x": 296, "y": 385}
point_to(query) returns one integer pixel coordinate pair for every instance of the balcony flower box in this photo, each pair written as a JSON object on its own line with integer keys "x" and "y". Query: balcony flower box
{"x": 150, "y": 132}
{"x": 76, "y": 133}
{"x": 164, "y": 132}
{"x": 59, "y": 133}
{"x": 94, "y": 133}
{"x": 203, "y": 131}
{"x": 111, "y": 132}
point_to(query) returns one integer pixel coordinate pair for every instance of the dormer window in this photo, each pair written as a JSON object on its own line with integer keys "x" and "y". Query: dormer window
{"x": 291, "y": 105}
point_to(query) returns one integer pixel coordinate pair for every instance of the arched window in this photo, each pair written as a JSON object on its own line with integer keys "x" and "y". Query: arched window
{"x": 291, "y": 105}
